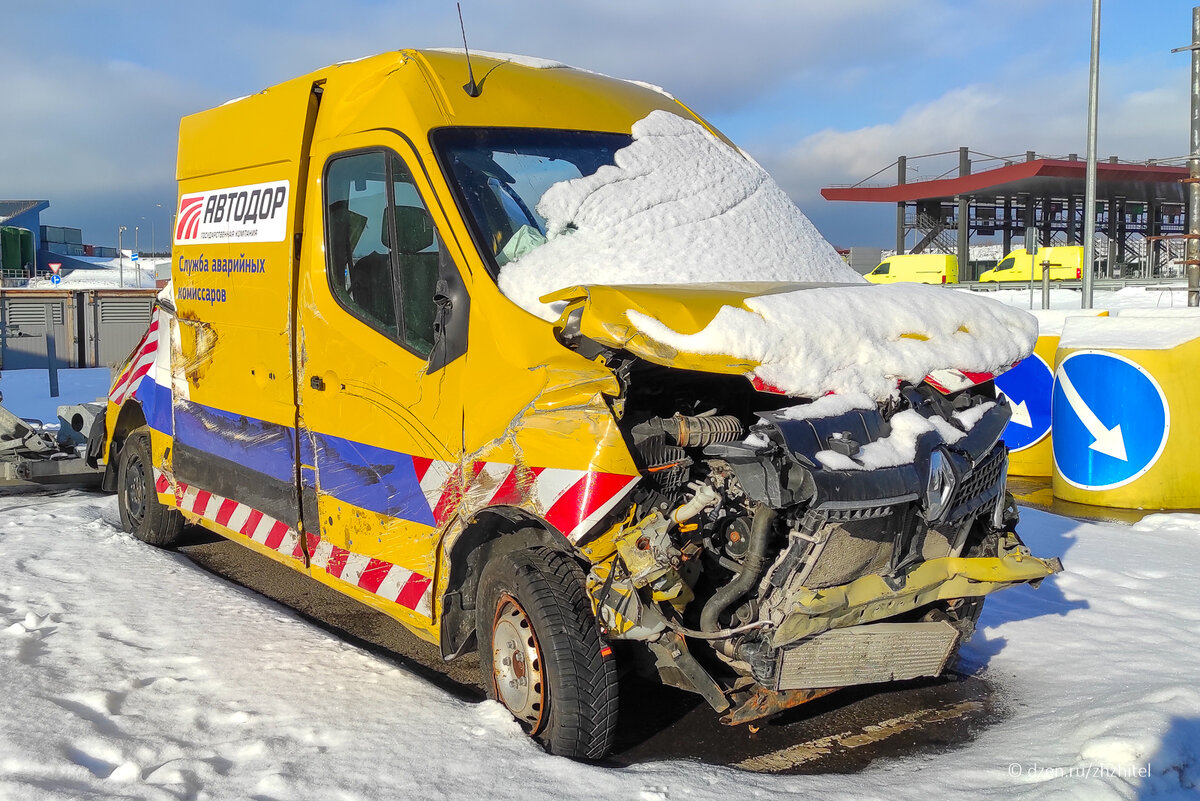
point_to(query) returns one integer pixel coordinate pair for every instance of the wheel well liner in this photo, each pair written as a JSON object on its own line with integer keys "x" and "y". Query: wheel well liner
{"x": 130, "y": 418}
{"x": 495, "y": 530}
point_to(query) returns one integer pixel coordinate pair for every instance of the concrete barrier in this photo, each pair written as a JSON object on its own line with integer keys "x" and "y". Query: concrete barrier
{"x": 1126, "y": 410}
{"x": 1029, "y": 387}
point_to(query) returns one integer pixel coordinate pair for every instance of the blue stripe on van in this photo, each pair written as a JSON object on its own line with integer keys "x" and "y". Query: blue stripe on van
{"x": 370, "y": 477}
{"x": 267, "y": 448}
{"x": 367, "y": 476}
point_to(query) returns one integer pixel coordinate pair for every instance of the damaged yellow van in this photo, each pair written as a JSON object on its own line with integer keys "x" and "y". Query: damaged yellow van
{"x": 335, "y": 381}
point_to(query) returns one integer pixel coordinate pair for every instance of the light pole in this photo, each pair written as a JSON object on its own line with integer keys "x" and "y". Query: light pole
{"x": 121, "y": 253}
{"x": 137, "y": 268}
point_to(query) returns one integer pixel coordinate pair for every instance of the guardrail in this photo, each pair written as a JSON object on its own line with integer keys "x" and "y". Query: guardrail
{"x": 1099, "y": 283}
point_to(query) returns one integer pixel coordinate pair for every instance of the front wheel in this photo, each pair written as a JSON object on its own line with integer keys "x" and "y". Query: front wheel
{"x": 541, "y": 655}
{"x": 141, "y": 513}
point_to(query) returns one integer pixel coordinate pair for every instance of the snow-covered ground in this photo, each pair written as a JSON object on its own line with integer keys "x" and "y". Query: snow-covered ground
{"x": 1132, "y": 297}
{"x": 106, "y": 275}
{"x": 27, "y": 392}
{"x": 130, "y": 673}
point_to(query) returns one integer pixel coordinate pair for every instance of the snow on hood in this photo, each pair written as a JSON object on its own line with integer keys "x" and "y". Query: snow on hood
{"x": 859, "y": 339}
{"x": 679, "y": 207}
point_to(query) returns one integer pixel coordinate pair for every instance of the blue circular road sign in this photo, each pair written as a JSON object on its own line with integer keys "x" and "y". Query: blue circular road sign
{"x": 1110, "y": 420}
{"x": 1028, "y": 387}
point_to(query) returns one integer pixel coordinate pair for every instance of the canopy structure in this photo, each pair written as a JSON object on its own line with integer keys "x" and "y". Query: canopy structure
{"x": 1136, "y": 205}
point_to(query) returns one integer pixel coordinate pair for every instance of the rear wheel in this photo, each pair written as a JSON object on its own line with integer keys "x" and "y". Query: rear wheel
{"x": 540, "y": 652}
{"x": 141, "y": 513}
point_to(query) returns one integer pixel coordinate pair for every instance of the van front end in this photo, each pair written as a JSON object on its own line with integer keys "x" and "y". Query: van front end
{"x": 772, "y": 555}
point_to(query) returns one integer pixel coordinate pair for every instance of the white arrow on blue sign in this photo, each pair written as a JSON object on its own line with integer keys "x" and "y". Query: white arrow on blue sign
{"x": 1111, "y": 420}
{"x": 1028, "y": 387}
{"x": 56, "y": 279}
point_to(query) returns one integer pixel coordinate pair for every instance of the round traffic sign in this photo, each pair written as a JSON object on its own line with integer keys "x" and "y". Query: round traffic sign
{"x": 1028, "y": 387}
{"x": 1110, "y": 417}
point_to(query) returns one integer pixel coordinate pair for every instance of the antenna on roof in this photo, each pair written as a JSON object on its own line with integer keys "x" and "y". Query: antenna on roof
{"x": 471, "y": 87}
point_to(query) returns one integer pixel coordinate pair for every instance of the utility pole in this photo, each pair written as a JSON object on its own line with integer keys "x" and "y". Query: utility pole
{"x": 121, "y": 253}
{"x": 1089, "y": 197}
{"x": 137, "y": 267}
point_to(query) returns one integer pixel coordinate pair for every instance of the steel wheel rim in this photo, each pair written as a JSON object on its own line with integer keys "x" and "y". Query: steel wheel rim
{"x": 517, "y": 664}
{"x": 135, "y": 490}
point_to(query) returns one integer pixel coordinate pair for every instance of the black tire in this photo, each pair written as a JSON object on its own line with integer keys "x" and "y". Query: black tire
{"x": 569, "y": 700}
{"x": 141, "y": 513}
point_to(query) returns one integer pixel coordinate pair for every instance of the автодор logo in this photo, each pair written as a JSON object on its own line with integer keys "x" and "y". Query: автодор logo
{"x": 252, "y": 213}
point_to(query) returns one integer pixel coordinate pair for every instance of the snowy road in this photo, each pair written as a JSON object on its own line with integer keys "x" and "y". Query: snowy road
{"x": 130, "y": 673}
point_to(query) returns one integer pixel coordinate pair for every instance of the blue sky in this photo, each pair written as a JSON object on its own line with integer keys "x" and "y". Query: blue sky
{"x": 819, "y": 92}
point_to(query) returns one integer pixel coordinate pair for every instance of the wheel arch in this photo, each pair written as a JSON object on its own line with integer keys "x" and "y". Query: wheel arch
{"x": 492, "y": 531}
{"x": 129, "y": 419}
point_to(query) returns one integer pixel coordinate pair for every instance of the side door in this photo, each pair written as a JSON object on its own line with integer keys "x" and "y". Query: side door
{"x": 380, "y": 375}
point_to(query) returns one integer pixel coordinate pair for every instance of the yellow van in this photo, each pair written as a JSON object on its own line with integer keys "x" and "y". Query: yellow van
{"x": 918, "y": 268}
{"x": 335, "y": 381}
{"x": 1066, "y": 264}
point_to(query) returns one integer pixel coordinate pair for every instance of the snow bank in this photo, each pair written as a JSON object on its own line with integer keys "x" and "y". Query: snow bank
{"x": 678, "y": 207}
{"x": 128, "y": 672}
{"x": 859, "y": 339}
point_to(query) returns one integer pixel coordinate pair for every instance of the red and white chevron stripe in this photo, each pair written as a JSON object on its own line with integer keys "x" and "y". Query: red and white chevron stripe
{"x": 390, "y": 582}
{"x": 952, "y": 380}
{"x": 572, "y": 501}
{"x": 140, "y": 362}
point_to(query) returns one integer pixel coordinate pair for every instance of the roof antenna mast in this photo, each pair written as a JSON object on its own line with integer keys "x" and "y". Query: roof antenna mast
{"x": 471, "y": 87}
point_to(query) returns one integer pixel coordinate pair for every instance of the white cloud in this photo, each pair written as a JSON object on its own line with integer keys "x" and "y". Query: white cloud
{"x": 1049, "y": 117}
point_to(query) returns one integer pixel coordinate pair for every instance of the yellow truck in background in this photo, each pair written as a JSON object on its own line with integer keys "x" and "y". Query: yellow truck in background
{"x": 335, "y": 381}
{"x": 1066, "y": 264}
{"x": 918, "y": 268}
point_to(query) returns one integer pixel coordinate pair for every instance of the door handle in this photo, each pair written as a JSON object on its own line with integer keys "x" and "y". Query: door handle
{"x": 317, "y": 383}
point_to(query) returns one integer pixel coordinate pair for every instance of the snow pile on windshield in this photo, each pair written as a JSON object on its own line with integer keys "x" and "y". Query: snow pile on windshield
{"x": 859, "y": 339}
{"x": 678, "y": 207}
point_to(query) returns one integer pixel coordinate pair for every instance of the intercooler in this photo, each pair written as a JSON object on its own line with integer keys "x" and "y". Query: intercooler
{"x": 867, "y": 654}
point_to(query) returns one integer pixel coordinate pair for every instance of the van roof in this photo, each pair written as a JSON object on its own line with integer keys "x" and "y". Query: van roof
{"x": 413, "y": 91}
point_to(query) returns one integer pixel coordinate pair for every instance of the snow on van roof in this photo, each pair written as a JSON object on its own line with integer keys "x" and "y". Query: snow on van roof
{"x": 682, "y": 207}
{"x": 533, "y": 62}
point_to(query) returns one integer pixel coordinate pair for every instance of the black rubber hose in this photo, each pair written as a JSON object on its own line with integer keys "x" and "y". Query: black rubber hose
{"x": 752, "y": 569}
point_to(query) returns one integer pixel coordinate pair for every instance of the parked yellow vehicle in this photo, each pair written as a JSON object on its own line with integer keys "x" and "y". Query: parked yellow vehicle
{"x": 918, "y": 268}
{"x": 1066, "y": 264}
{"x": 335, "y": 381}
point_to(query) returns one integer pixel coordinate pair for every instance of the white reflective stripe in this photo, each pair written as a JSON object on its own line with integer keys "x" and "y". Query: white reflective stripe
{"x": 290, "y": 540}
{"x": 425, "y": 605}
{"x": 320, "y": 557}
{"x": 586, "y": 524}
{"x": 435, "y": 477}
{"x": 396, "y": 578}
{"x": 263, "y": 529}
{"x": 189, "y": 498}
{"x": 239, "y": 517}
{"x": 552, "y": 483}
{"x": 356, "y": 563}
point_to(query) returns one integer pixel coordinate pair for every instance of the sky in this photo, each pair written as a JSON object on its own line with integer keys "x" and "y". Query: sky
{"x": 819, "y": 92}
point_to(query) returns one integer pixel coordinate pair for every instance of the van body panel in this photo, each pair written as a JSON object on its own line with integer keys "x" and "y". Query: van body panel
{"x": 919, "y": 268}
{"x": 1066, "y": 262}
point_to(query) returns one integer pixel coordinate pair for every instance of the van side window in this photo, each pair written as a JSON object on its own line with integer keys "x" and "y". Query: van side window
{"x": 383, "y": 252}
{"x": 884, "y": 268}
{"x": 358, "y": 254}
{"x": 418, "y": 251}
{"x": 1007, "y": 264}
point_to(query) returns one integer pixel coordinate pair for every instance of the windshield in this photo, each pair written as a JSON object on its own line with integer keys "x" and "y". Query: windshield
{"x": 882, "y": 269}
{"x": 500, "y": 174}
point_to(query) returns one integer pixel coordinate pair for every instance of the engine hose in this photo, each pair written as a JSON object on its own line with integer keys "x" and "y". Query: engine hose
{"x": 694, "y": 431}
{"x": 752, "y": 568}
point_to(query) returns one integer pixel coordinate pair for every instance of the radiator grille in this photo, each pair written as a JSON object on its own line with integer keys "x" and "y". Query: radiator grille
{"x": 868, "y": 654}
{"x": 982, "y": 486}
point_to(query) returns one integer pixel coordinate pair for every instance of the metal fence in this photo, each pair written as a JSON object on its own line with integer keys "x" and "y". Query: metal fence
{"x": 85, "y": 328}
